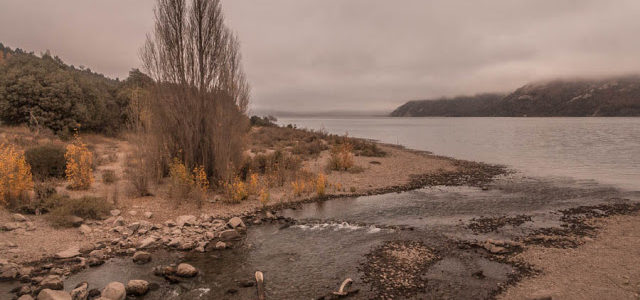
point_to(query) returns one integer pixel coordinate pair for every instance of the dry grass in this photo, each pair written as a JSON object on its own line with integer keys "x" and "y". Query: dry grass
{"x": 85, "y": 207}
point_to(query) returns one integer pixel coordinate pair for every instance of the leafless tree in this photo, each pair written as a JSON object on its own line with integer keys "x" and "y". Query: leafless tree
{"x": 201, "y": 94}
{"x": 191, "y": 45}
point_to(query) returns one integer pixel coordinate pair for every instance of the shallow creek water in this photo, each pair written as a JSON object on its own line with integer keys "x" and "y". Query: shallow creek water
{"x": 330, "y": 240}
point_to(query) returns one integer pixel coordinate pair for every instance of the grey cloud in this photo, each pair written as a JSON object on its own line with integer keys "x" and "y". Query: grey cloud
{"x": 310, "y": 55}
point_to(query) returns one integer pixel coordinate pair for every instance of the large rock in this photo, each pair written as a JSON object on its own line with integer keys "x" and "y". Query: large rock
{"x": 81, "y": 292}
{"x": 186, "y": 220}
{"x": 8, "y": 272}
{"x": 69, "y": 253}
{"x": 25, "y": 297}
{"x": 146, "y": 242}
{"x": 186, "y": 270}
{"x": 53, "y": 282}
{"x": 137, "y": 287}
{"x": 114, "y": 291}
{"x": 229, "y": 235}
{"x": 84, "y": 229}
{"x": 141, "y": 257}
{"x": 48, "y": 294}
{"x": 115, "y": 212}
{"x": 148, "y": 215}
{"x": 235, "y": 222}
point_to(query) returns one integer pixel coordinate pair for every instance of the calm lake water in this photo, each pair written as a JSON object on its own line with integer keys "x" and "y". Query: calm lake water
{"x": 606, "y": 150}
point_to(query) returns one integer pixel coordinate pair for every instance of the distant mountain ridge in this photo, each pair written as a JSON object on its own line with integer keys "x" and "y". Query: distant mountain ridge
{"x": 618, "y": 96}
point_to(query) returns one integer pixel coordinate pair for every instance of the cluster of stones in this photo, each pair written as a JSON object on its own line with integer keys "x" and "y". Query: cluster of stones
{"x": 136, "y": 239}
{"x": 52, "y": 288}
{"x": 19, "y": 222}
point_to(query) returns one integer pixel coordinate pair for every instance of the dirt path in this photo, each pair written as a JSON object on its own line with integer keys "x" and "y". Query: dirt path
{"x": 603, "y": 268}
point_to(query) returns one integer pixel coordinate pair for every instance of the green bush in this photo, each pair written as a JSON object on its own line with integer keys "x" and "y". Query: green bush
{"x": 46, "y": 161}
{"x": 87, "y": 207}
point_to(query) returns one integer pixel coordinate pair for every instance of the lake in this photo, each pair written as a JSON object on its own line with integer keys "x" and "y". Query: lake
{"x": 606, "y": 150}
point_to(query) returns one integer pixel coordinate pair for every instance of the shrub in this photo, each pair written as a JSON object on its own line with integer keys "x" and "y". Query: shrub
{"x": 264, "y": 197}
{"x": 278, "y": 167}
{"x": 299, "y": 187}
{"x": 85, "y": 207}
{"x": 79, "y": 161}
{"x": 187, "y": 185}
{"x": 321, "y": 184}
{"x": 46, "y": 161}
{"x": 341, "y": 157}
{"x": 253, "y": 183}
{"x": 236, "y": 190}
{"x": 15, "y": 176}
{"x": 109, "y": 176}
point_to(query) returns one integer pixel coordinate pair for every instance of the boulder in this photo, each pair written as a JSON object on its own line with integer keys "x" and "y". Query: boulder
{"x": 115, "y": 212}
{"x": 186, "y": 220}
{"x": 141, "y": 257}
{"x": 133, "y": 212}
{"x": 137, "y": 287}
{"x": 220, "y": 245}
{"x": 48, "y": 294}
{"x": 186, "y": 270}
{"x": 229, "y": 235}
{"x": 148, "y": 215}
{"x": 81, "y": 292}
{"x": 84, "y": 229}
{"x": 235, "y": 222}
{"x": 69, "y": 253}
{"x": 8, "y": 272}
{"x": 146, "y": 242}
{"x": 114, "y": 291}
{"x": 53, "y": 282}
{"x": 25, "y": 297}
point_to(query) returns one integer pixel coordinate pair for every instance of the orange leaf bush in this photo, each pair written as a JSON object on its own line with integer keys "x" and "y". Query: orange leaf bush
{"x": 79, "y": 169}
{"x": 15, "y": 175}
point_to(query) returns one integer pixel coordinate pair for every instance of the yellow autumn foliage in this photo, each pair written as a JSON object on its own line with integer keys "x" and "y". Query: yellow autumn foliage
{"x": 79, "y": 161}
{"x": 15, "y": 175}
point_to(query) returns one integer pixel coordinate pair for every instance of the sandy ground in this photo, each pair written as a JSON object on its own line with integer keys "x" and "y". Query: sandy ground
{"x": 603, "y": 268}
{"x": 22, "y": 246}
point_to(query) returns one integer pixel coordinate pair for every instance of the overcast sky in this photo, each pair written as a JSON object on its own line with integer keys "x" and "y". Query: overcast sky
{"x": 319, "y": 55}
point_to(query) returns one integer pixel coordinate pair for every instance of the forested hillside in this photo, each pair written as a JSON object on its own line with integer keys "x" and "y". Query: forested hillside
{"x": 618, "y": 96}
{"x": 42, "y": 91}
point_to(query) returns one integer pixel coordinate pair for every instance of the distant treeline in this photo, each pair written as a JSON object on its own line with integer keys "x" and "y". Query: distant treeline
{"x": 577, "y": 98}
{"x": 42, "y": 91}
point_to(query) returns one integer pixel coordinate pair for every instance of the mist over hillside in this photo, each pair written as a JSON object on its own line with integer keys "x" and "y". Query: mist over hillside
{"x": 619, "y": 96}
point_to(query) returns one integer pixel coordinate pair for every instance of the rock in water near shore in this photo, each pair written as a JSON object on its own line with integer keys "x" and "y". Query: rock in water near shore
{"x": 114, "y": 291}
{"x": 235, "y": 222}
{"x": 53, "y": 282}
{"x": 229, "y": 235}
{"x": 186, "y": 270}
{"x": 81, "y": 292}
{"x": 141, "y": 257}
{"x": 48, "y": 294}
{"x": 137, "y": 287}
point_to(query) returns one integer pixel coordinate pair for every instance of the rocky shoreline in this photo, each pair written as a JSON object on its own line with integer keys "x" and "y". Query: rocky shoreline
{"x": 139, "y": 239}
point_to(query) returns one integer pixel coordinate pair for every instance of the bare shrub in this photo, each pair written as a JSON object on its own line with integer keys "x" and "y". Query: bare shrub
{"x": 341, "y": 157}
{"x": 86, "y": 207}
